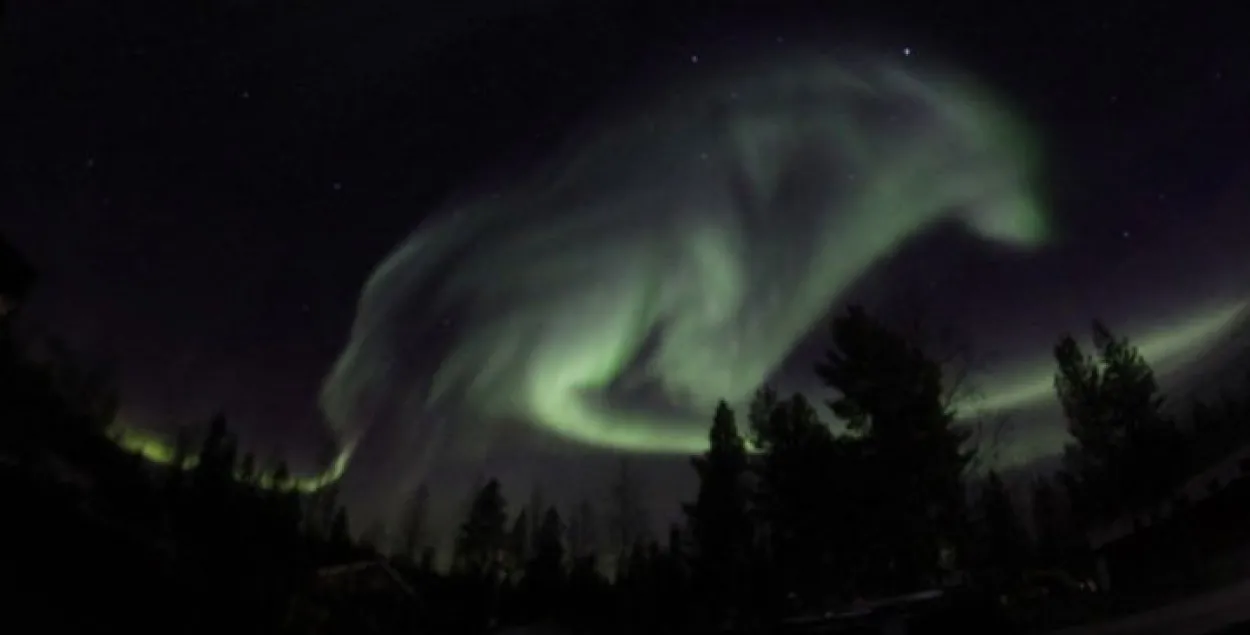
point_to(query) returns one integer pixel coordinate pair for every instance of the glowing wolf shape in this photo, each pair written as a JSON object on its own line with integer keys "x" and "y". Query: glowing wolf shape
{"x": 679, "y": 251}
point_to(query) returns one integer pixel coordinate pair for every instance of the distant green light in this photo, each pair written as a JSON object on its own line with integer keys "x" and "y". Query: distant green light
{"x": 158, "y": 450}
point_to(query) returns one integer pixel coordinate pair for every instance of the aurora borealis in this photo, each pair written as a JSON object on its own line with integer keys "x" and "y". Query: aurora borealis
{"x": 679, "y": 255}
{"x": 673, "y": 256}
{"x": 688, "y": 248}
{"x": 576, "y": 230}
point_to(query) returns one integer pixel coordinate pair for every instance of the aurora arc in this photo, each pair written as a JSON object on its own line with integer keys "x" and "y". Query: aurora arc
{"x": 686, "y": 247}
{"x": 703, "y": 238}
{"x": 157, "y": 449}
{"x": 1168, "y": 347}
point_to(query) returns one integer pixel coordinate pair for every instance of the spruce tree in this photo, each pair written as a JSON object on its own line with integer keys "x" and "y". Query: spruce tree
{"x": 891, "y": 395}
{"x": 1126, "y": 454}
{"x": 719, "y": 519}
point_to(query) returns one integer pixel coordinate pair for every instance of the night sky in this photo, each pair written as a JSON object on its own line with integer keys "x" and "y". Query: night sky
{"x": 205, "y": 186}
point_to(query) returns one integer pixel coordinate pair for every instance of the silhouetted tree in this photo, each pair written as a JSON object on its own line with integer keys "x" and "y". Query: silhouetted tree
{"x": 175, "y": 471}
{"x": 589, "y": 595}
{"x": 720, "y": 524}
{"x": 1044, "y": 504}
{"x": 544, "y": 573}
{"x": 1126, "y": 454}
{"x": 804, "y": 478}
{"x": 891, "y": 395}
{"x": 536, "y": 505}
{"x": 426, "y": 564}
{"x": 375, "y": 537}
{"x": 519, "y": 546}
{"x": 411, "y": 530}
{"x": 481, "y": 549}
{"x": 216, "y": 463}
{"x": 1218, "y": 427}
{"x": 217, "y": 540}
{"x": 1056, "y": 535}
{"x": 86, "y": 390}
{"x": 670, "y": 582}
{"x": 634, "y": 585}
{"x": 581, "y": 531}
{"x": 1004, "y": 547}
{"x": 626, "y": 518}
{"x": 247, "y": 472}
{"x": 482, "y": 541}
{"x": 324, "y": 521}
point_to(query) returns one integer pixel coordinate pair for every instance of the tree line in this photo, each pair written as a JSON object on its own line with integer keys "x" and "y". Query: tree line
{"x": 791, "y": 513}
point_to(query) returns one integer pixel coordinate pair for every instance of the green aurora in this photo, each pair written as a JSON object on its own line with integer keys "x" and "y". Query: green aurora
{"x": 691, "y": 243}
{"x": 157, "y": 449}
{"x": 1167, "y": 347}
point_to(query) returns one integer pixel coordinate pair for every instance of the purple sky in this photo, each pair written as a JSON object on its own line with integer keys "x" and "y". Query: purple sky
{"x": 205, "y": 190}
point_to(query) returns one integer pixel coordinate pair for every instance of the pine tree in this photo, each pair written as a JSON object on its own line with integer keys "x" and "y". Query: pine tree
{"x": 519, "y": 547}
{"x": 670, "y": 588}
{"x": 537, "y": 504}
{"x": 891, "y": 395}
{"x": 411, "y": 534}
{"x": 719, "y": 518}
{"x": 483, "y": 537}
{"x": 215, "y": 466}
{"x": 375, "y": 537}
{"x": 1126, "y": 453}
{"x": 802, "y": 476}
{"x": 212, "y": 495}
{"x": 426, "y": 565}
{"x": 175, "y": 472}
{"x": 581, "y": 531}
{"x": 760, "y": 417}
{"x": 318, "y": 512}
{"x": 247, "y": 472}
{"x": 1051, "y": 524}
{"x": 1005, "y": 550}
{"x": 626, "y": 520}
{"x": 1081, "y": 509}
{"x": 545, "y": 571}
{"x": 340, "y": 536}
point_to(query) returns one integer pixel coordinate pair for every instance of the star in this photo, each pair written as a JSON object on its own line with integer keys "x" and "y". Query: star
{"x": 1125, "y": 233}
{"x": 694, "y": 59}
{"x": 907, "y": 51}
{"x": 245, "y": 95}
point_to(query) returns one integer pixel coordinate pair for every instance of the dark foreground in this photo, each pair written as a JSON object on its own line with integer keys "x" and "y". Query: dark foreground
{"x": 1222, "y": 612}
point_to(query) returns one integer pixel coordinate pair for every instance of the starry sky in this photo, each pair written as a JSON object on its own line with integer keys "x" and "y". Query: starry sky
{"x": 205, "y": 186}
